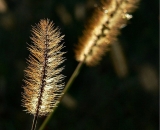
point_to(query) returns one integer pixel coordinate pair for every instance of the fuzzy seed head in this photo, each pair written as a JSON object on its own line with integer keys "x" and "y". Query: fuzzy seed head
{"x": 103, "y": 29}
{"x": 43, "y": 81}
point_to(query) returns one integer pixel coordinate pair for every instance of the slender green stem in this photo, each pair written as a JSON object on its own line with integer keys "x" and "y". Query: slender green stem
{"x": 69, "y": 83}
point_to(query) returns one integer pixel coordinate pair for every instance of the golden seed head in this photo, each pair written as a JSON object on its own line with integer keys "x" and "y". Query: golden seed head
{"x": 43, "y": 81}
{"x": 103, "y": 29}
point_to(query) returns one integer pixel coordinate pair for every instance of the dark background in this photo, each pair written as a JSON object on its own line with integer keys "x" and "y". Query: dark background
{"x": 104, "y": 98}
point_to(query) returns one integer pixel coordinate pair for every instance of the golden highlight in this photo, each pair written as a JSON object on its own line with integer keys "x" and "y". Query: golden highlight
{"x": 103, "y": 29}
{"x": 43, "y": 81}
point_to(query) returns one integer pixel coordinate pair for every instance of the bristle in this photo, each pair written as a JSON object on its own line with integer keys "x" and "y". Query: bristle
{"x": 43, "y": 81}
{"x": 103, "y": 29}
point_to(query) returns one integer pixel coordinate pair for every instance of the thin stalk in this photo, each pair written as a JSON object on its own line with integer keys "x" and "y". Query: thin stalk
{"x": 34, "y": 122}
{"x": 69, "y": 83}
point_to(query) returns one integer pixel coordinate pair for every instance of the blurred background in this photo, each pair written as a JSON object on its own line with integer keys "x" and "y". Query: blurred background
{"x": 121, "y": 93}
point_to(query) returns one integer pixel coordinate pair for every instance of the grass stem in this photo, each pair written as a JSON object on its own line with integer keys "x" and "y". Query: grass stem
{"x": 69, "y": 83}
{"x": 34, "y": 122}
